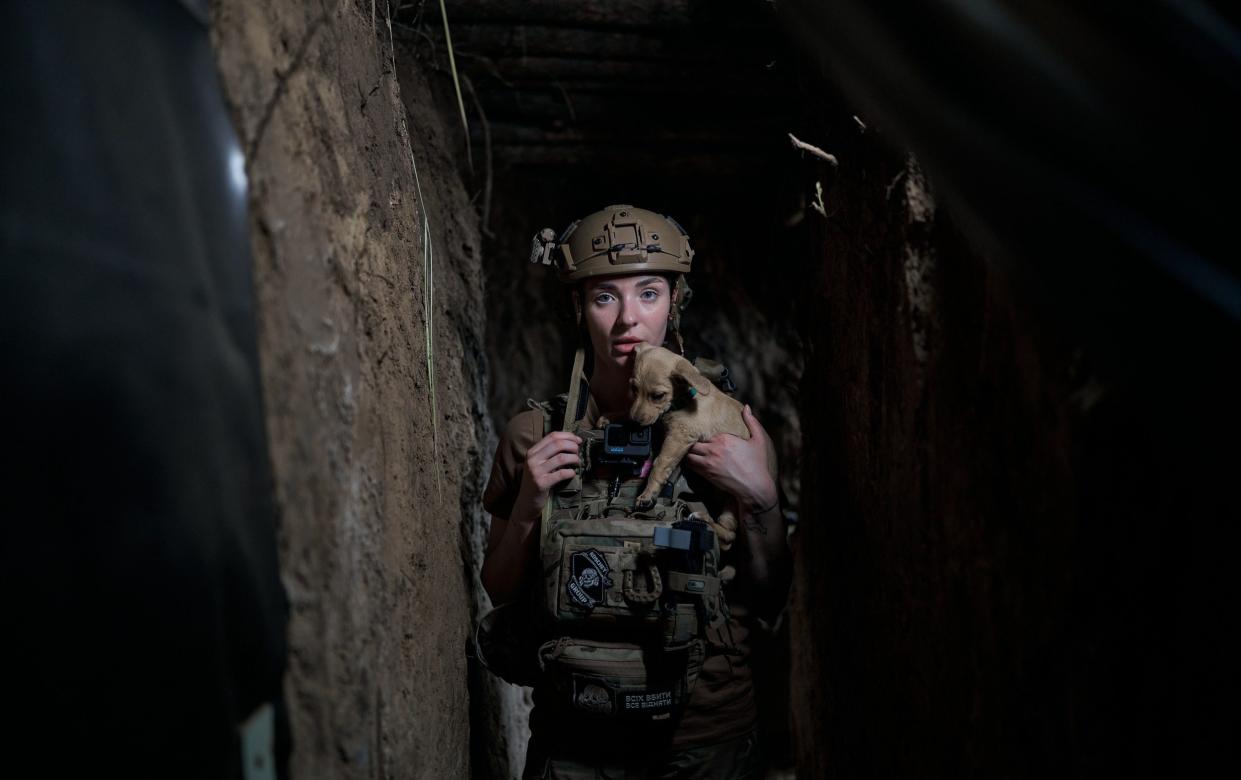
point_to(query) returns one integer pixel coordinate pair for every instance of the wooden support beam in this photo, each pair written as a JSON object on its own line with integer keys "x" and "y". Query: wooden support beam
{"x": 613, "y": 76}
{"x": 508, "y": 40}
{"x": 717, "y": 105}
{"x": 724, "y": 46}
{"x": 542, "y": 41}
{"x": 577, "y": 13}
{"x": 711, "y": 164}
{"x": 577, "y": 69}
{"x": 752, "y": 135}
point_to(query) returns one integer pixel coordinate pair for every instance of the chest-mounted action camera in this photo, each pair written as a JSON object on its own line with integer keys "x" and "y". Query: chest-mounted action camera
{"x": 626, "y": 445}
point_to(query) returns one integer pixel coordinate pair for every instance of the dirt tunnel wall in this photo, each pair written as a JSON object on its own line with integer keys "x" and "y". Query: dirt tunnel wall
{"x": 370, "y": 334}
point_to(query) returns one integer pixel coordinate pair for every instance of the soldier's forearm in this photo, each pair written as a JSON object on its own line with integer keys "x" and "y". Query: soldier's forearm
{"x": 767, "y": 557}
{"x": 764, "y": 534}
{"x": 505, "y": 562}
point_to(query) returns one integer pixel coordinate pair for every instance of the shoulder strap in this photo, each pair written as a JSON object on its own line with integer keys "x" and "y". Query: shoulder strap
{"x": 572, "y": 412}
{"x": 573, "y": 406}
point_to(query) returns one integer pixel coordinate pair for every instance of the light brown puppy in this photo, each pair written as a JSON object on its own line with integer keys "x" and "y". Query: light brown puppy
{"x": 669, "y": 389}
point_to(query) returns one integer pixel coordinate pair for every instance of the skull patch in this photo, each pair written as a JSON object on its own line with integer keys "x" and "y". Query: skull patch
{"x": 588, "y": 579}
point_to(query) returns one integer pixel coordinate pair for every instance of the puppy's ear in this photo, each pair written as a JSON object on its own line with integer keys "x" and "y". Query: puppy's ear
{"x": 685, "y": 374}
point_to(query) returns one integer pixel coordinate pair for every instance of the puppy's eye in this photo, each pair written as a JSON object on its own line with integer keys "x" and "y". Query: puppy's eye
{"x": 658, "y": 396}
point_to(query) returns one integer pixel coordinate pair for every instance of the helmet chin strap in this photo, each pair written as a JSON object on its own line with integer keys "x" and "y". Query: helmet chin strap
{"x": 676, "y": 337}
{"x": 680, "y": 296}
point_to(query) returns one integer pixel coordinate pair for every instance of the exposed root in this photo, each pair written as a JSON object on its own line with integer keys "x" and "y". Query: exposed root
{"x": 814, "y": 150}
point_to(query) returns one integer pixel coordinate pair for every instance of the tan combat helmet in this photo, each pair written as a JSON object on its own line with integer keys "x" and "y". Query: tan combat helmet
{"x": 621, "y": 239}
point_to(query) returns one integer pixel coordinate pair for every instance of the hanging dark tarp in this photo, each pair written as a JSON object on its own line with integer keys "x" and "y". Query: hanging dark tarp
{"x": 144, "y": 617}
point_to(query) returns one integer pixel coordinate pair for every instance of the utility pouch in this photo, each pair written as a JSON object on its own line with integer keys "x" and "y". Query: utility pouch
{"x": 627, "y": 593}
{"x": 607, "y": 565}
{"x": 621, "y": 679}
{"x": 601, "y": 571}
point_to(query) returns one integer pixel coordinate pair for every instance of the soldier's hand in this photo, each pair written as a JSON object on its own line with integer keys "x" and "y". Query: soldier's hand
{"x": 549, "y": 461}
{"x": 737, "y": 466}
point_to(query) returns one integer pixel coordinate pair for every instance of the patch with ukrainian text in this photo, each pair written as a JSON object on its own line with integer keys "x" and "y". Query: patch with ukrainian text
{"x": 657, "y": 704}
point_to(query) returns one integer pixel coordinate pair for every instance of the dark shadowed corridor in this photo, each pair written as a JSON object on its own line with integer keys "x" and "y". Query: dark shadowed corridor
{"x": 971, "y": 263}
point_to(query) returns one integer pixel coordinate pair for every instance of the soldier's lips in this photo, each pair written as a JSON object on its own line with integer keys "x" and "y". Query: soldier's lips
{"x": 625, "y": 347}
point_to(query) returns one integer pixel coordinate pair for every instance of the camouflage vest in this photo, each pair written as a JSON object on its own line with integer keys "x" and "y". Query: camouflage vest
{"x": 628, "y": 592}
{"x": 618, "y": 629}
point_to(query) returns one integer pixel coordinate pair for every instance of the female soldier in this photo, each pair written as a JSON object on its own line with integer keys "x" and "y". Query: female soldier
{"x": 627, "y": 269}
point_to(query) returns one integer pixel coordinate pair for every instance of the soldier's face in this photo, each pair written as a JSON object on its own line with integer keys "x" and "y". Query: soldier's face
{"x": 622, "y": 312}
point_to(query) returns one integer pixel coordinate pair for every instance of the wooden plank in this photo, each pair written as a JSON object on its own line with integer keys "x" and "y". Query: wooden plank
{"x": 606, "y": 94}
{"x": 725, "y": 46}
{"x": 540, "y": 41}
{"x": 750, "y": 135}
{"x": 597, "y": 75}
{"x": 637, "y": 163}
{"x": 537, "y": 41}
{"x": 716, "y": 104}
{"x": 576, "y": 13}
{"x": 577, "y": 69}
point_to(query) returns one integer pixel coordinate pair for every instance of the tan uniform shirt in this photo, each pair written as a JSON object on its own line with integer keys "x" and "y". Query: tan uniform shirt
{"x": 721, "y": 706}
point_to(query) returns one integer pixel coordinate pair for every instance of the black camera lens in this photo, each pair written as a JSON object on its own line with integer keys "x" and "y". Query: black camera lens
{"x": 626, "y": 441}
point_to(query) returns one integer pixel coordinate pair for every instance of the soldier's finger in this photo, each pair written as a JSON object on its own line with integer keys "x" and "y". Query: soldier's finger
{"x": 555, "y": 461}
{"x": 698, "y": 462}
{"x": 557, "y": 441}
{"x": 562, "y": 448}
{"x": 553, "y": 478}
{"x": 752, "y": 423}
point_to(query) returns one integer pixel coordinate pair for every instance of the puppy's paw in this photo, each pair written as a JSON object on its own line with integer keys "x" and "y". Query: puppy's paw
{"x": 646, "y": 500}
{"x": 602, "y": 422}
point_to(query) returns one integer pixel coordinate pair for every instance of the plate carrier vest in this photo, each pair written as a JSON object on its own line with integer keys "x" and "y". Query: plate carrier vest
{"x": 618, "y": 629}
